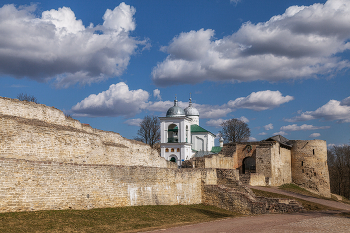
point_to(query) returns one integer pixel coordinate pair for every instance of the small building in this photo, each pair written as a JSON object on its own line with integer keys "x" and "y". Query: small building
{"x": 181, "y": 136}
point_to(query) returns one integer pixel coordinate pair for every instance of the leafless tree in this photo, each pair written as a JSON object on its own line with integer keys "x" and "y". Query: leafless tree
{"x": 235, "y": 130}
{"x": 25, "y": 97}
{"x": 339, "y": 169}
{"x": 149, "y": 131}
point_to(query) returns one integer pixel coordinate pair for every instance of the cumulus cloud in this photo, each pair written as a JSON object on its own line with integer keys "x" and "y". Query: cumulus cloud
{"x": 295, "y": 127}
{"x": 263, "y": 133}
{"x": 314, "y": 135}
{"x": 281, "y": 133}
{"x": 215, "y": 122}
{"x": 303, "y": 42}
{"x": 156, "y": 94}
{"x": 118, "y": 100}
{"x": 333, "y": 110}
{"x": 252, "y": 139}
{"x": 244, "y": 119}
{"x": 135, "y": 122}
{"x": 57, "y": 46}
{"x": 261, "y": 100}
{"x": 268, "y": 127}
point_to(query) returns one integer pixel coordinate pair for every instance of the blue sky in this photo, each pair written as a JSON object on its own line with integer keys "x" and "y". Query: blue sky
{"x": 281, "y": 66}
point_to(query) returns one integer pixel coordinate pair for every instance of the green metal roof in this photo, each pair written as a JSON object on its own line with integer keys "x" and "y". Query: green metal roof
{"x": 216, "y": 149}
{"x": 197, "y": 128}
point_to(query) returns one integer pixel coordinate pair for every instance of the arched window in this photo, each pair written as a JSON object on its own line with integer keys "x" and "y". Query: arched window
{"x": 166, "y": 150}
{"x": 172, "y": 150}
{"x": 173, "y": 159}
{"x": 172, "y": 133}
{"x": 186, "y": 133}
{"x": 178, "y": 150}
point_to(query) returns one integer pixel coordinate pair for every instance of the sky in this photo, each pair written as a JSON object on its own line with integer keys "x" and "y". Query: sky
{"x": 280, "y": 66}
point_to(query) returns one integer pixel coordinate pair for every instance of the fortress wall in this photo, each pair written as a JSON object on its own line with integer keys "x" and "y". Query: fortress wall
{"x": 37, "y": 132}
{"x": 309, "y": 166}
{"x": 39, "y": 141}
{"x": 36, "y": 185}
{"x": 263, "y": 160}
{"x": 281, "y": 172}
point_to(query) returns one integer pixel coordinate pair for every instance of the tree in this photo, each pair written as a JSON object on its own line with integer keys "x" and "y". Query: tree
{"x": 149, "y": 131}
{"x": 25, "y": 97}
{"x": 235, "y": 130}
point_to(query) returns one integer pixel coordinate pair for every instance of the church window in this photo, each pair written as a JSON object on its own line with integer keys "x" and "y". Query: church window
{"x": 172, "y": 150}
{"x": 178, "y": 150}
{"x": 166, "y": 150}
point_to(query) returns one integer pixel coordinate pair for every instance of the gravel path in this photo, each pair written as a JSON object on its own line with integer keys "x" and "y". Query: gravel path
{"x": 334, "y": 204}
{"x": 312, "y": 222}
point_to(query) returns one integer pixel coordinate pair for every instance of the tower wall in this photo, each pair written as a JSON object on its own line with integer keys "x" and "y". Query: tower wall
{"x": 309, "y": 166}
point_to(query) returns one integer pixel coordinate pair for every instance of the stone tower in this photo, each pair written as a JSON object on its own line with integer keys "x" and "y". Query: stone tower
{"x": 309, "y": 166}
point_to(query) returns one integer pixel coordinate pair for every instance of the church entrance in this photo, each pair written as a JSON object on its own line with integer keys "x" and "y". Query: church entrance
{"x": 248, "y": 165}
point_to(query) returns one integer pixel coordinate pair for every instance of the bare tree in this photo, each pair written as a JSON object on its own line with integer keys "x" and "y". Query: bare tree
{"x": 25, "y": 97}
{"x": 235, "y": 130}
{"x": 339, "y": 169}
{"x": 149, "y": 131}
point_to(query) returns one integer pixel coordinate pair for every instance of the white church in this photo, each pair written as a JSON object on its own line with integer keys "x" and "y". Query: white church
{"x": 181, "y": 136}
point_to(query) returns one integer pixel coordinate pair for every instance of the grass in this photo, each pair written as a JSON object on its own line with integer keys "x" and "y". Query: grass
{"x": 309, "y": 206}
{"x": 296, "y": 189}
{"x": 122, "y": 219}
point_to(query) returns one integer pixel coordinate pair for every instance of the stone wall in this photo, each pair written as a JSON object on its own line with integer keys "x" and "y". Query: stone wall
{"x": 309, "y": 166}
{"x": 40, "y": 133}
{"x": 33, "y": 185}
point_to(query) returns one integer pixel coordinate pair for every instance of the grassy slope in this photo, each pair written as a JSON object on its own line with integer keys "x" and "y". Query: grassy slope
{"x": 310, "y": 206}
{"x": 128, "y": 219}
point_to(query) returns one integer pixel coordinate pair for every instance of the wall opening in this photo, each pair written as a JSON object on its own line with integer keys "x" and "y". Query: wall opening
{"x": 248, "y": 165}
{"x": 313, "y": 151}
{"x": 173, "y": 133}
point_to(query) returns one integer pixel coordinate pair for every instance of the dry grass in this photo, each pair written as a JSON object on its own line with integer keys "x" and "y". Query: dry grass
{"x": 123, "y": 219}
{"x": 309, "y": 206}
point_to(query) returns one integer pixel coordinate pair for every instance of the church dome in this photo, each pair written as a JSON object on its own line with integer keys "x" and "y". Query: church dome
{"x": 175, "y": 111}
{"x": 190, "y": 110}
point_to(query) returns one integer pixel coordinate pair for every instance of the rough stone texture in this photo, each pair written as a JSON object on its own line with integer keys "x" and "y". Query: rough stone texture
{"x": 30, "y": 185}
{"x": 37, "y": 132}
{"x": 309, "y": 166}
{"x": 219, "y": 161}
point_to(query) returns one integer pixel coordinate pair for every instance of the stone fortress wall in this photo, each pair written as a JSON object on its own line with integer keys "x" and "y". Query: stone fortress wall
{"x": 309, "y": 166}
{"x": 50, "y": 161}
{"x": 40, "y": 133}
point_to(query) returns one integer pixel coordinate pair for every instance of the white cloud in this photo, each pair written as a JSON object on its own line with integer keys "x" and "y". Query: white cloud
{"x": 215, "y": 123}
{"x": 333, "y": 110}
{"x": 156, "y": 94}
{"x": 301, "y": 43}
{"x": 345, "y": 102}
{"x": 314, "y": 135}
{"x": 268, "y": 127}
{"x": 261, "y": 100}
{"x": 116, "y": 101}
{"x": 235, "y": 1}
{"x": 280, "y": 133}
{"x": 252, "y": 139}
{"x": 244, "y": 119}
{"x": 263, "y": 133}
{"x": 295, "y": 127}
{"x": 57, "y": 46}
{"x": 135, "y": 122}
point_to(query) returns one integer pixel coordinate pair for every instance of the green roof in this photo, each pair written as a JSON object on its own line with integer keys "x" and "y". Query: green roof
{"x": 197, "y": 128}
{"x": 216, "y": 149}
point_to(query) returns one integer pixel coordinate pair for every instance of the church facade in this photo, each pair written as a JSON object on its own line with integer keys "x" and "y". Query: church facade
{"x": 181, "y": 136}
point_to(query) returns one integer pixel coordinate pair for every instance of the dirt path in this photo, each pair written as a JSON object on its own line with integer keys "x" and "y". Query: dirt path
{"x": 315, "y": 222}
{"x": 271, "y": 223}
{"x": 334, "y": 204}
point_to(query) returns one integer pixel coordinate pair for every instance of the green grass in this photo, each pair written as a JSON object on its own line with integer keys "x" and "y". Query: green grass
{"x": 296, "y": 189}
{"x": 123, "y": 219}
{"x": 309, "y": 206}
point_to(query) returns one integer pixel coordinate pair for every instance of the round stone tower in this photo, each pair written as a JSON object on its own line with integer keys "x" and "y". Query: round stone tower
{"x": 309, "y": 166}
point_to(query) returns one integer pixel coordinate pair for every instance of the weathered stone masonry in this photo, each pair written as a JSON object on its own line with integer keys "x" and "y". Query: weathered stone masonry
{"x": 36, "y": 185}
